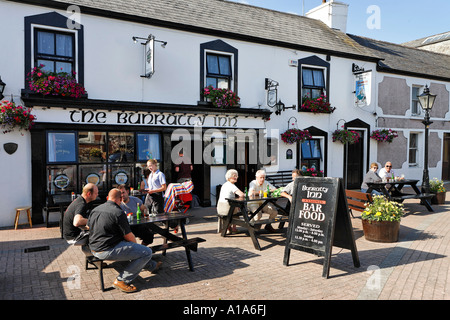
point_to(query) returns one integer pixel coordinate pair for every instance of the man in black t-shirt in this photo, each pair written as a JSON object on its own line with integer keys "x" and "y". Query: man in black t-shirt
{"x": 110, "y": 238}
{"x": 77, "y": 213}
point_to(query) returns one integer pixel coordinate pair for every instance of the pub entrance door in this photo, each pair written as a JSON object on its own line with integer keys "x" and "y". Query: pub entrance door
{"x": 354, "y": 168}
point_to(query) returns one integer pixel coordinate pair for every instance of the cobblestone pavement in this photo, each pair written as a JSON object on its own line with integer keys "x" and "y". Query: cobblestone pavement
{"x": 414, "y": 268}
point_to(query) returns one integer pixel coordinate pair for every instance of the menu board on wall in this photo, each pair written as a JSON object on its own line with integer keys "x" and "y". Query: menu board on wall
{"x": 319, "y": 219}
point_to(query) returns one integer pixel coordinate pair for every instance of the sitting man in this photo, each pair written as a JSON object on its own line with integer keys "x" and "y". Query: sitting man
{"x": 254, "y": 190}
{"x": 130, "y": 204}
{"x": 77, "y": 213}
{"x": 111, "y": 239}
{"x": 289, "y": 189}
{"x": 387, "y": 171}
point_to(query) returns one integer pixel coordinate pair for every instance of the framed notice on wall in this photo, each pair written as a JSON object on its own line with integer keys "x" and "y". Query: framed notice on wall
{"x": 319, "y": 219}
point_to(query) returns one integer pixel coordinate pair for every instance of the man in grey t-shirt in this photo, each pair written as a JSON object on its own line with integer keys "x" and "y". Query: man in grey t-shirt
{"x": 130, "y": 204}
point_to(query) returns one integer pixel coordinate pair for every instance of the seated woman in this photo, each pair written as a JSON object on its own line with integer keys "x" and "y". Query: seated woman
{"x": 371, "y": 176}
{"x": 228, "y": 190}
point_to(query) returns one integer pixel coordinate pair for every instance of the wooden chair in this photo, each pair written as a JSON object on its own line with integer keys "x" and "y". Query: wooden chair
{"x": 18, "y": 211}
{"x": 356, "y": 200}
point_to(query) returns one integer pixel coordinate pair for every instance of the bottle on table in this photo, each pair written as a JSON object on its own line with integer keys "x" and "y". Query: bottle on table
{"x": 138, "y": 213}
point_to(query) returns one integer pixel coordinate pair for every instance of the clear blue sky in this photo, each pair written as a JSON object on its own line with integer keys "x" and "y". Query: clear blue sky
{"x": 400, "y": 20}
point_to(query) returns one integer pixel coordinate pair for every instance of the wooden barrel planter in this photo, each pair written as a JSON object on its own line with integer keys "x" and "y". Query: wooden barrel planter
{"x": 381, "y": 231}
{"x": 439, "y": 198}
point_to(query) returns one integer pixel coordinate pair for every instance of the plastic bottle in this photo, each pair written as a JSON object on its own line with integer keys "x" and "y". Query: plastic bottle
{"x": 73, "y": 196}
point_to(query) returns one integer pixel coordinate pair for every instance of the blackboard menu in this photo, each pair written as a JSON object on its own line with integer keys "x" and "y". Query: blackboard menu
{"x": 319, "y": 219}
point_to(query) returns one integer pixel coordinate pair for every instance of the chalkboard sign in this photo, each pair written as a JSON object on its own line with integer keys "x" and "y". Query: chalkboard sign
{"x": 319, "y": 218}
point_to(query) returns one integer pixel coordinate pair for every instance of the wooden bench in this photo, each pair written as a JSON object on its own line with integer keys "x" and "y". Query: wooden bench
{"x": 279, "y": 179}
{"x": 191, "y": 244}
{"x": 405, "y": 196}
{"x": 356, "y": 200}
{"x": 98, "y": 264}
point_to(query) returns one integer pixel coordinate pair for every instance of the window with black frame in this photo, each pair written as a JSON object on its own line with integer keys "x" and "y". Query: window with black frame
{"x": 313, "y": 83}
{"x": 311, "y": 154}
{"x": 55, "y": 50}
{"x": 107, "y": 159}
{"x": 218, "y": 71}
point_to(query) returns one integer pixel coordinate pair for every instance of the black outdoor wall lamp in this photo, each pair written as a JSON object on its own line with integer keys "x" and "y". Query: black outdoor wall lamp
{"x": 279, "y": 107}
{"x": 148, "y": 39}
{"x": 2, "y": 88}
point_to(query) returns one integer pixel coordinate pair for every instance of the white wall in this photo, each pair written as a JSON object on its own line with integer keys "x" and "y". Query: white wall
{"x": 15, "y": 173}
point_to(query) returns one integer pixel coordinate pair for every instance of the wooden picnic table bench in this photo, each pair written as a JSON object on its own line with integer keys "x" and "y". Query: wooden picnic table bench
{"x": 175, "y": 241}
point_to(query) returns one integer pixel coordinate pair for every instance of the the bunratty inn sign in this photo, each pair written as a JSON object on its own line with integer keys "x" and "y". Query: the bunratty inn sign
{"x": 99, "y": 117}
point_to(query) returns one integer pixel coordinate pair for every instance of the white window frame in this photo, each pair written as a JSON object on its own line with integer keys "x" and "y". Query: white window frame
{"x": 324, "y": 73}
{"x": 220, "y": 53}
{"x": 56, "y": 29}
{"x": 414, "y": 164}
{"x": 415, "y": 101}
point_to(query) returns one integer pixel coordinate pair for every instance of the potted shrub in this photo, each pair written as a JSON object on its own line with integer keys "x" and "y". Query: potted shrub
{"x": 381, "y": 219}
{"x": 437, "y": 187}
{"x": 12, "y": 117}
{"x": 294, "y": 135}
{"x": 384, "y": 135}
{"x": 221, "y": 98}
{"x": 345, "y": 136}
{"x": 316, "y": 105}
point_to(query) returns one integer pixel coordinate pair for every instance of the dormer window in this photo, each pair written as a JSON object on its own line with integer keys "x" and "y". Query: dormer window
{"x": 313, "y": 82}
{"x": 218, "y": 71}
{"x": 55, "y": 50}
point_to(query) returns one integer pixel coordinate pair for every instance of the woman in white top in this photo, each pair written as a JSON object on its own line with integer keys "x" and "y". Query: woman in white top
{"x": 228, "y": 190}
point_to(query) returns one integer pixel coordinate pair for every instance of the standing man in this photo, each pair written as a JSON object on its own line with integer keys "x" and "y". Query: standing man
{"x": 130, "y": 204}
{"x": 183, "y": 167}
{"x": 77, "y": 213}
{"x": 157, "y": 185}
{"x": 111, "y": 239}
{"x": 254, "y": 189}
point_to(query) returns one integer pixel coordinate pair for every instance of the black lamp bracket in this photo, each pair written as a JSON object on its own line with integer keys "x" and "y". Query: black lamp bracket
{"x": 148, "y": 39}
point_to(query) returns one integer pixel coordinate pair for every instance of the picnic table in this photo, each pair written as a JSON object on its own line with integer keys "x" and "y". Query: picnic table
{"x": 392, "y": 189}
{"x": 170, "y": 239}
{"x": 247, "y": 215}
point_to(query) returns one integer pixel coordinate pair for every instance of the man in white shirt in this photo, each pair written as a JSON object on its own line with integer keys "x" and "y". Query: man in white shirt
{"x": 387, "y": 171}
{"x": 254, "y": 190}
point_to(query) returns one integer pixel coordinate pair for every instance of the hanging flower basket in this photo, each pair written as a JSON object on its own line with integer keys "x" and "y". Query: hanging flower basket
{"x": 384, "y": 135}
{"x": 55, "y": 84}
{"x": 221, "y": 98}
{"x": 345, "y": 136}
{"x": 316, "y": 105}
{"x": 12, "y": 117}
{"x": 294, "y": 135}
